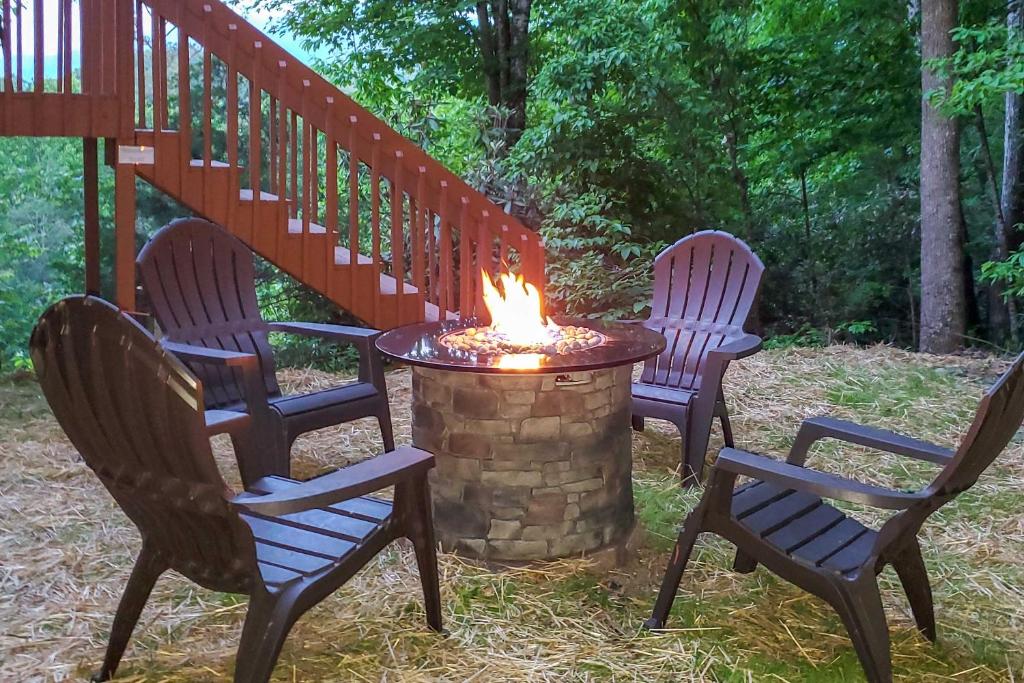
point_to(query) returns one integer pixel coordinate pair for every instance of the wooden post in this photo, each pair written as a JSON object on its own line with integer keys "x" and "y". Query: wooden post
{"x": 90, "y": 161}
{"x": 124, "y": 235}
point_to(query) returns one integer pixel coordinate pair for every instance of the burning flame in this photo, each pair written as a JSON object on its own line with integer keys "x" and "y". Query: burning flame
{"x": 518, "y": 313}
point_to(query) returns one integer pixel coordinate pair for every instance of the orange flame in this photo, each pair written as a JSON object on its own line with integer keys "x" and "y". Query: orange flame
{"x": 518, "y": 313}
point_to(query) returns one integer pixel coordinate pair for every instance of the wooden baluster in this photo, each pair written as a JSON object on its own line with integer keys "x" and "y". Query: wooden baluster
{"x": 140, "y": 49}
{"x": 184, "y": 102}
{"x": 272, "y": 138}
{"x": 375, "y": 199}
{"x": 69, "y": 71}
{"x": 125, "y": 65}
{"x": 332, "y": 192}
{"x": 398, "y": 236}
{"x": 157, "y": 72}
{"x": 294, "y": 132}
{"x": 314, "y": 172}
{"x": 353, "y": 205}
{"x": 484, "y": 252}
{"x": 282, "y": 158}
{"x": 234, "y": 170}
{"x": 86, "y": 17}
{"x": 20, "y": 46}
{"x": 154, "y": 67}
{"x": 445, "y": 256}
{"x": 466, "y": 270}
{"x": 38, "y": 46}
{"x": 419, "y": 223}
{"x": 60, "y": 44}
{"x": 256, "y": 138}
{"x": 207, "y": 112}
{"x": 432, "y": 264}
{"x": 375, "y": 218}
{"x": 541, "y": 260}
{"x": 503, "y": 248}
{"x": 8, "y": 32}
{"x": 282, "y": 135}
{"x": 306, "y": 129}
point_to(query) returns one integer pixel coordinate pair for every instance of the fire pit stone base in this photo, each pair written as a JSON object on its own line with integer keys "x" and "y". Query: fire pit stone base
{"x": 528, "y": 466}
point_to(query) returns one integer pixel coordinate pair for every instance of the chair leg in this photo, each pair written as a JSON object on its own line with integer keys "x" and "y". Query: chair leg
{"x": 909, "y": 566}
{"x": 674, "y": 571}
{"x": 726, "y": 428}
{"x": 140, "y": 584}
{"x": 266, "y": 626}
{"x": 860, "y": 607}
{"x": 422, "y": 537}
{"x": 386, "y": 431}
{"x": 638, "y": 422}
{"x": 743, "y": 563}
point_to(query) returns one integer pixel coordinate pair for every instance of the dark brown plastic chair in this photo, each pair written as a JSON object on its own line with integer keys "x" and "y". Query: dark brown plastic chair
{"x": 137, "y": 416}
{"x": 780, "y": 520}
{"x": 200, "y": 283}
{"x": 705, "y": 286}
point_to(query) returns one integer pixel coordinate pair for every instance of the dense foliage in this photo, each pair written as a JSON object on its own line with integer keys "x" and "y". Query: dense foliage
{"x": 795, "y": 125}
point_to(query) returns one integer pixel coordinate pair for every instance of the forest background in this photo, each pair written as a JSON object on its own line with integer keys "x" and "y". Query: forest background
{"x": 615, "y": 128}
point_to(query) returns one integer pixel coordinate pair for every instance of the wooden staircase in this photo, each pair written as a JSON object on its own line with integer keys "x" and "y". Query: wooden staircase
{"x": 211, "y": 111}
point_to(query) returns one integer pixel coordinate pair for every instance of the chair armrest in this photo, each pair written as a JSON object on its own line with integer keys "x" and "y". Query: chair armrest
{"x": 202, "y": 354}
{"x": 350, "y": 482}
{"x": 811, "y": 481}
{"x": 817, "y": 428}
{"x": 702, "y": 408}
{"x": 341, "y": 333}
{"x": 744, "y": 346}
{"x": 371, "y": 368}
{"x": 226, "y": 422}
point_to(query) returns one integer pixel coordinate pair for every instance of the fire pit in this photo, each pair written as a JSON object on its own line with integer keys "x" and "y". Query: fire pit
{"x": 529, "y": 420}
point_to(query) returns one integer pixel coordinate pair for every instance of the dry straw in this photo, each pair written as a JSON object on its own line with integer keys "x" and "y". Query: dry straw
{"x": 65, "y": 553}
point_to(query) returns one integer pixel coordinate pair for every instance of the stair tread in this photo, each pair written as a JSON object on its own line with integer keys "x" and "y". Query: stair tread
{"x": 343, "y": 257}
{"x": 200, "y": 163}
{"x": 295, "y": 228}
{"x": 432, "y": 313}
{"x": 246, "y": 196}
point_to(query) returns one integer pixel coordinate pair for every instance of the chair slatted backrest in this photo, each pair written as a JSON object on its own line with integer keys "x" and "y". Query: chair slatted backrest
{"x": 705, "y": 286}
{"x": 997, "y": 419}
{"x": 201, "y": 285}
{"x": 136, "y": 416}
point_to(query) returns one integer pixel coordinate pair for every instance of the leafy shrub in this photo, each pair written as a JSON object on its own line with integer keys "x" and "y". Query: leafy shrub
{"x": 595, "y": 268}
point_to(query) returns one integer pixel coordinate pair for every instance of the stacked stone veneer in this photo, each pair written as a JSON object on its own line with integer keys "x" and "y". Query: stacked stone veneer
{"x": 528, "y": 467}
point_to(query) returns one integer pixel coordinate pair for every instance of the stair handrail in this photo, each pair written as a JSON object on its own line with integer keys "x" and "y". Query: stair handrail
{"x": 257, "y": 57}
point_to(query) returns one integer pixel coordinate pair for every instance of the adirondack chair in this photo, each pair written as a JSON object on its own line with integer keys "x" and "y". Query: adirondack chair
{"x": 780, "y": 520}
{"x": 200, "y": 283}
{"x": 705, "y": 286}
{"x": 136, "y": 415}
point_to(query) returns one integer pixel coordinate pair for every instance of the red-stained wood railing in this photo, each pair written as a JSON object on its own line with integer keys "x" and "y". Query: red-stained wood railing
{"x": 47, "y": 87}
{"x": 417, "y": 236}
{"x": 284, "y": 159}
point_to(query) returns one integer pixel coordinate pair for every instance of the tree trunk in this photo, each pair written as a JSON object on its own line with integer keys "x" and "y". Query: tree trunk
{"x": 1012, "y": 196}
{"x": 998, "y": 310}
{"x": 943, "y": 323}
{"x": 504, "y": 32}
{"x": 489, "y": 54}
{"x": 519, "y": 52}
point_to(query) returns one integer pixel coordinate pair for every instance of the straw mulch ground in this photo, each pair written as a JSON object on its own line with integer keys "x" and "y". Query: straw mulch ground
{"x": 65, "y": 553}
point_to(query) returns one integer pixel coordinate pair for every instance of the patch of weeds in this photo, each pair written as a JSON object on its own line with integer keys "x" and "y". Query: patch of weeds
{"x": 661, "y": 506}
{"x": 21, "y": 399}
{"x": 886, "y": 393}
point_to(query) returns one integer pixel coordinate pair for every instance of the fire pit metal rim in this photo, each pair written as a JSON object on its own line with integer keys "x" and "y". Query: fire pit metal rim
{"x": 419, "y": 344}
